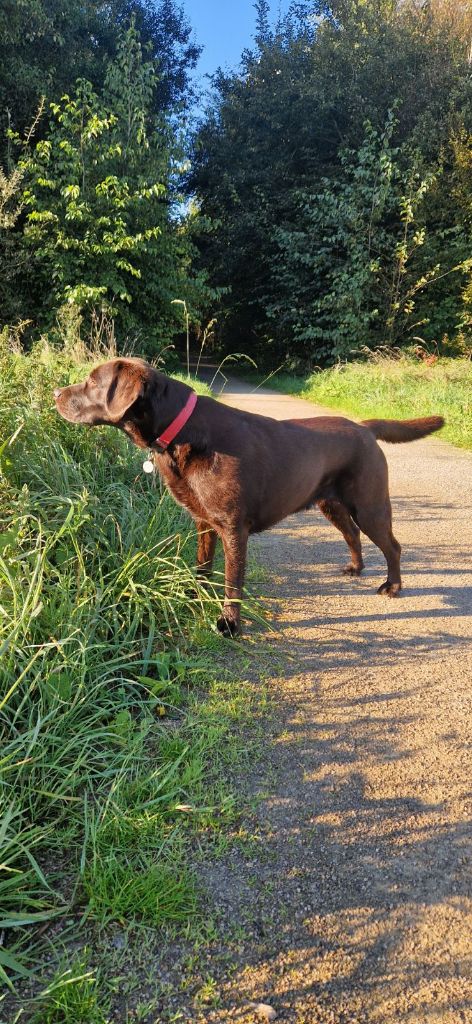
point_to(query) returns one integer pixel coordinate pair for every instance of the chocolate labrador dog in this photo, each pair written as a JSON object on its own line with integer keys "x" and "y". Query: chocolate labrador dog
{"x": 238, "y": 473}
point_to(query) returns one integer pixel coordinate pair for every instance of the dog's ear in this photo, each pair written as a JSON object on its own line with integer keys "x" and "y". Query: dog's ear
{"x": 127, "y": 385}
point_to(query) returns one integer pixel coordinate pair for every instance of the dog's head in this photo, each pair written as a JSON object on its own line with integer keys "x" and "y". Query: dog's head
{"x": 123, "y": 393}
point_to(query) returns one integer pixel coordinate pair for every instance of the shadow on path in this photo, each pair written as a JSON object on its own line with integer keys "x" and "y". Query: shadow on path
{"x": 355, "y": 903}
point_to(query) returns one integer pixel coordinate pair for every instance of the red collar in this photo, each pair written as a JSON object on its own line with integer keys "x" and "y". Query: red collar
{"x": 173, "y": 429}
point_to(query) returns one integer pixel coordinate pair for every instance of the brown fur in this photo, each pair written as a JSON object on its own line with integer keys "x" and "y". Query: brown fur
{"x": 238, "y": 473}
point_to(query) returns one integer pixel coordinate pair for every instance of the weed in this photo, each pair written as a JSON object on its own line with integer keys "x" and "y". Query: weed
{"x": 208, "y": 994}
{"x": 153, "y": 892}
{"x": 71, "y": 998}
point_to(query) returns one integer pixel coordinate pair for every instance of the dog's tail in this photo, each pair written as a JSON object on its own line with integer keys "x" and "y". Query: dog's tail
{"x": 399, "y": 431}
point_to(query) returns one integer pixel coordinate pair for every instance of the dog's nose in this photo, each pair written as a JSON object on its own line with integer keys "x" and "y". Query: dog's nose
{"x": 57, "y": 392}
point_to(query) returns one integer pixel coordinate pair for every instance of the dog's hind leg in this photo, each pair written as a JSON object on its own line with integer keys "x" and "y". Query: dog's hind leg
{"x": 206, "y": 544}
{"x": 339, "y": 516}
{"x": 377, "y": 525}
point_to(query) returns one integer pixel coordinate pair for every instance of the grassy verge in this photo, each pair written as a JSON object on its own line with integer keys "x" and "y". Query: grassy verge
{"x": 117, "y": 723}
{"x": 394, "y": 388}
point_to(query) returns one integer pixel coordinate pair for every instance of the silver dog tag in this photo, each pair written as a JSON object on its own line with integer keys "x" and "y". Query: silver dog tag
{"x": 148, "y": 466}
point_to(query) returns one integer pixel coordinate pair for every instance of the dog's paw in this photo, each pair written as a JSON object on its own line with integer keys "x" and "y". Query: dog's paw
{"x": 352, "y": 570}
{"x": 204, "y": 580}
{"x": 201, "y": 582}
{"x": 389, "y": 589}
{"x": 228, "y": 626}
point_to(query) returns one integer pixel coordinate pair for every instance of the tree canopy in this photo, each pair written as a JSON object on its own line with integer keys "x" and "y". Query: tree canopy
{"x": 324, "y": 167}
{"x": 92, "y": 218}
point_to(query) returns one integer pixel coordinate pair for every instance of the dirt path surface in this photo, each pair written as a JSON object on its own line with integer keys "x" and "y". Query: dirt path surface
{"x": 354, "y": 903}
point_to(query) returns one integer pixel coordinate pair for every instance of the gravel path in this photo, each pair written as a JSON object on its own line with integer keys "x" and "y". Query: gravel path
{"x": 354, "y": 903}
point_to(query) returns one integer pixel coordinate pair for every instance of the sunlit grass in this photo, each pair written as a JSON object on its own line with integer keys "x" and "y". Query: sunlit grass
{"x": 113, "y": 727}
{"x": 393, "y": 388}
{"x": 72, "y": 997}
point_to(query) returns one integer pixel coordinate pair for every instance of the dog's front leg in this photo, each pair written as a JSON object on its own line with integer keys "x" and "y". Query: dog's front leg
{"x": 235, "y": 547}
{"x": 206, "y": 543}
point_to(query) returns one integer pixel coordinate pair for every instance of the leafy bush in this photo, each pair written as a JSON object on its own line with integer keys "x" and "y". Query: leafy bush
{"x": 97, "y": 207}
{"x": 89, "y": 217}
{"x": 348, "y": 264}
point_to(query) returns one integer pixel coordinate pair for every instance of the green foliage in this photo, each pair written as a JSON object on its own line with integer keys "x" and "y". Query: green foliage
{"x": 97, "y": 619}
{"x": 153, "y": 892}
{"x": 54, "y": 43}
{"x": 12, "y": 259}
{"x": 98, "y": 234}
{"x": 79, "y": 212}
{"x": 328, "y": 223}
{"x": 462, "y": 187}
{"x": 72, "y": 997}
{"x": 345, "y": 271}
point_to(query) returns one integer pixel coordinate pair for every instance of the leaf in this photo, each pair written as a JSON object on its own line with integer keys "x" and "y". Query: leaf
{"x": 11, "y": 963}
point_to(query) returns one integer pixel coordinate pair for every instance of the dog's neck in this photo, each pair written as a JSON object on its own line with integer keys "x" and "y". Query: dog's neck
{"x": 155, "y": 414}
{"x": 172, "y": 396}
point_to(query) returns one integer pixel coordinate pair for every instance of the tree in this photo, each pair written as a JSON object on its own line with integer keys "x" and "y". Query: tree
{"x": 460, "y": 225}
{"x": 262, "y": 34}
{"x": 276, "y": 141}
{"x": 98, "y": 224}
{"x": 347, "y": 267}
{"x": 452, "y": 18}
{"x": 45, "y": 45}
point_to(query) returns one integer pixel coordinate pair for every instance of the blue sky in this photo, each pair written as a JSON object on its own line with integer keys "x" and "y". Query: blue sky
{"x": 224, "y": 28}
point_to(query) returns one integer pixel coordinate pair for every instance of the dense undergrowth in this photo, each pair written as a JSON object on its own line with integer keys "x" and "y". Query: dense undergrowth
{"x": 113, "y": 727}
{"x": 393, "y": 388}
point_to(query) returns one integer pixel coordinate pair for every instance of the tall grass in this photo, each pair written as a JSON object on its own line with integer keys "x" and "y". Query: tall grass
{"x": 395, "y": 388}
{"x": 95, "y": 616}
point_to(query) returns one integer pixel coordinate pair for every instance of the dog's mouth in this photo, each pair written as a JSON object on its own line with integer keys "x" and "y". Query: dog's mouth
{"x": 70, "y": 406}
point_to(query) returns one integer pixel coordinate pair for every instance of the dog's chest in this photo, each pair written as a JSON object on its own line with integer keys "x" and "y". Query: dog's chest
{"x": 179, "y": 475}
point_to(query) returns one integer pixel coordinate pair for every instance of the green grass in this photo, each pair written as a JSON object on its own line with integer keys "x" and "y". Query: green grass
{"x": 395, "y": 388}
{"x": 154, "y": 892}
{"x": 117, "y": 723}
{"x": 71, "y": 998}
